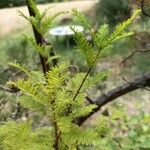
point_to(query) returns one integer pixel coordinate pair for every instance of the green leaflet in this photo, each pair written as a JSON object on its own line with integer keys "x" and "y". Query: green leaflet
{"x": 91, "y": 81}
{"x": 43, "y": 50}
{"x": 20, "y": 67}
{"x": 119, "y": 31}
{"x": 31, "y": 104}
{"x": 21, "y": 137}
{"x": 85, "y": 49}
{"x": 41, "y": 22}
{"x": 46, "y": 23}
{"x": 36, "y": 92}
{"x": 101, "y": 35}
{"x": 82, "y": 19}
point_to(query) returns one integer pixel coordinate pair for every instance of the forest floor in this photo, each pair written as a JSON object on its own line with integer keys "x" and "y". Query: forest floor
{"x": 11, "y": 21}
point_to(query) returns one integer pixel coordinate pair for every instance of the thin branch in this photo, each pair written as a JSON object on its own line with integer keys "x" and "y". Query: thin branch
{"x": 83, "y": 81}
{"x": 87, "y": 74}
{"x": 9, "y": 90}
{"x": 90, "y": 101}
{"x": 133, "y": 53}
{"x": 138, "y": 82}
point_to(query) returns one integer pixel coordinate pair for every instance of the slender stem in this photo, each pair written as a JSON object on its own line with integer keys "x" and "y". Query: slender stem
{"x": 57, "y": 136}
{"x": 87, "y": 74}
{"x": 83, "y": 81}
{"x": 39, "y": 40}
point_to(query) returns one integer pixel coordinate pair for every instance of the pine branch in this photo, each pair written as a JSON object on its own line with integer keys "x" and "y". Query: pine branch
{"x": 137, "y": 83}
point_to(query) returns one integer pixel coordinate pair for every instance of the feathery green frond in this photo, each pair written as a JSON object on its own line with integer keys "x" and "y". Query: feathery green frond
{"x": 96, "y": 78}
{"x": 82, "y": 111}
{"x": 105, "y": 51}
{"x": 18, "y": 135}
{"x": 119, "y": 31}
{"x": 31, "y": 104}
{"x": 20, "y": 67}
{"x": 37, "y": 78}
{"x": 101, "y": 126}
{"x": 21, "y": 137}
{"x": 57, "y": 75}
{"x": 76, "y": 81}
{"x": 40, "y": 22}
{"x": 63, "y": 101}
{"x": 84, "y": 48}
{"x": 44, "y": 50}
{"x": 103, "y": 40}
{"x": 82, "y": 19}
{"x": 23, "y": 15}
{"x": 89, "y": 137}
{"x": 36, "y": 92}
{"x": 101, "y": 35}
{"x": 46, "y": 23}
{"x": 34, "y": 8}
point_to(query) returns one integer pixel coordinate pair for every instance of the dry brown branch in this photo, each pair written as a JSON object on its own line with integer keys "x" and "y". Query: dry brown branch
{"x": 133, "y": 53}
{"x": 138, "y": 82}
